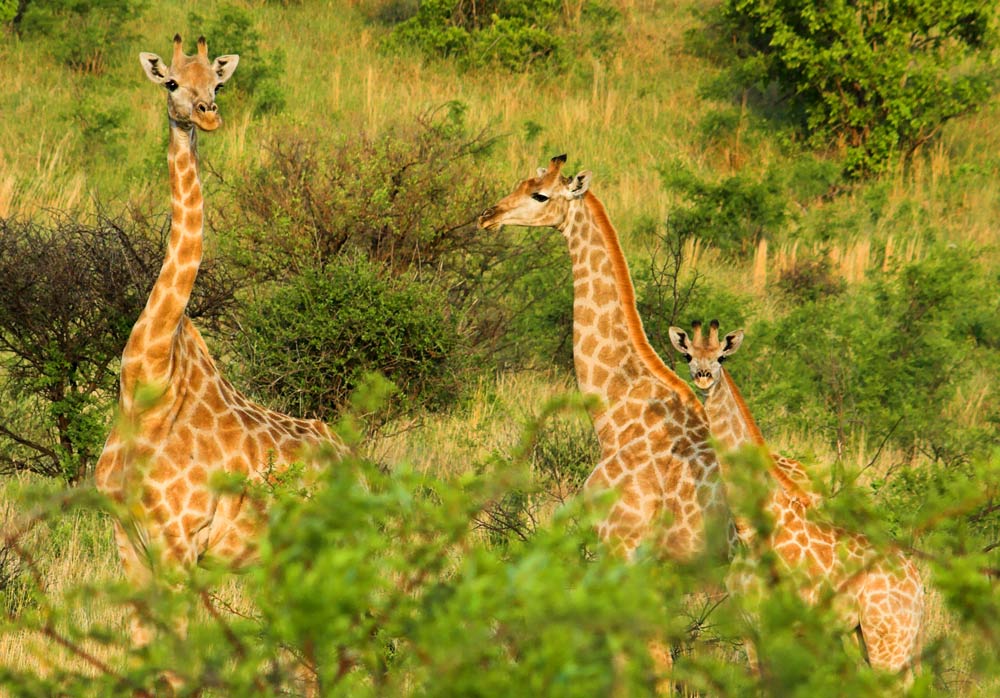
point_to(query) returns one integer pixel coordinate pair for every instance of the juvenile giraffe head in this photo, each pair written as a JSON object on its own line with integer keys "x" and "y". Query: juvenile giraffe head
{"x": 540, "y": 201}
{"x": 705, "y": 357}
{"x": 191, "y": 83}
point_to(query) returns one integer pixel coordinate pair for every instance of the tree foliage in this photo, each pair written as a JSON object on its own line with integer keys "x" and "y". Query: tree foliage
{"x": 86, "y": 35}
{"x": 70, "y": 292}
{"x": 877, "y": 78}
{"x": 887, "y": 359}
{"x": 308, "y": 345}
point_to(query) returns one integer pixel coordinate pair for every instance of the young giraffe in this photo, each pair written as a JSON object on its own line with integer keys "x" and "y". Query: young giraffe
{"x": 653, "y": 431}
{"x": 180, "y": 421}
{"x": 880, "y": 595}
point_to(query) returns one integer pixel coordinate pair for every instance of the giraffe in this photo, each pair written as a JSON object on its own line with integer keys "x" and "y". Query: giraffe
{"x": 880, "y": 596}
{"x": 652, "y": 430}
{"x": 180, "y": 422}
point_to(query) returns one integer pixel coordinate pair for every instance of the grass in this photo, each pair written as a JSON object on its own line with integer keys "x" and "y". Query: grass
{"x": 623, "y": 116}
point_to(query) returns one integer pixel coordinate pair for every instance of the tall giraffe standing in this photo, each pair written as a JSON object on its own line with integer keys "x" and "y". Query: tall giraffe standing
{"x": 880, "y": 595}
{"x": 653, "y": 432}
{"x": 180, "y": 421}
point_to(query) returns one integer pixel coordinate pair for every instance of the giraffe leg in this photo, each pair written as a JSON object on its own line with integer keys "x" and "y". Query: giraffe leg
{"x": 663, "y": 664}
{"x": 138, "y": 575}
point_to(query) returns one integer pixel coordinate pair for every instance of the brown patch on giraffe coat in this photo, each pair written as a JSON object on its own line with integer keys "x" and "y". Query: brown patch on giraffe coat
{"x": 605, "y": 321}
{"x": 192, "y": 219}
{"x": 599, "y": 375}
{"x": 187, "y": 256}
{"x": 584, "y": 315}
{"x": 588, "y": 345}
{"x": 187, "y": 177}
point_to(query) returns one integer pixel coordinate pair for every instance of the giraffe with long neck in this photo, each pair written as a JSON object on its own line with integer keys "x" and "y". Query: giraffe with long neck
{"x": 180, "y": 422}
{"x": 653, "y": 431}
{"x": 878, "y": 594}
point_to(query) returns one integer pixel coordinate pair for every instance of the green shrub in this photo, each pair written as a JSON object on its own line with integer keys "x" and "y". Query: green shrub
{"x": 85, "y": 36}
{"x": 380, "y": 584}
{"x": 878, "y": 79}
{"x": 562, "y": 455}
{"x": 886, "y": 358}
{"x": 512, "y": 34}
{"x": 70, "y": 291}
{"x": 8, "y": 10}
{"x": 732, "y": 215}
{"x": 309, "y": 343}
{"x": 231, "y": 29}
{"x": 406, "y": 200}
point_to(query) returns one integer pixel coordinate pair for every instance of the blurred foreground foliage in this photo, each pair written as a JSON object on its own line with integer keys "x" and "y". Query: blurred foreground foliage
{"x": 379, "y": 581}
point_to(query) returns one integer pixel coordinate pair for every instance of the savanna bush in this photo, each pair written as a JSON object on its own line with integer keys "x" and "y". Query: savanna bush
{"x": 406, "y": 200}
{"x": 85, "y": 36}
{"x": 878, "y": 80}
{"x": 887, "y": 359}
{"x": 8, "y": 10}
{"x": 70, "y": 291}
{"x": 231, "y": 29}
{"x": 732, "y": 215}
{"x": 510, "y": 33}
{"x": 310, "y": 342}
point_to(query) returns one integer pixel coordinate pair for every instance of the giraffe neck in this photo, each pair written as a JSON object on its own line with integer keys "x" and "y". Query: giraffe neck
{"x": 610, "y": 347}
{"x": 733, "y": 426}
{"x": 729, "y": 417}
{"x": 149, "y": 353}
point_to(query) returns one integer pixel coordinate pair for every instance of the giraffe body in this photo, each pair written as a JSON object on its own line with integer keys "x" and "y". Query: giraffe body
{"x": 880, "y": 593}
{"x": 652, "y": 430}
{"x": 180, "y": 422}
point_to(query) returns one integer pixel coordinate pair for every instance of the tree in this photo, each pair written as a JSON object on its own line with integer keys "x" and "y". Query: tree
{"x": 69, "y": 294}
{"x": 879, "y": 78}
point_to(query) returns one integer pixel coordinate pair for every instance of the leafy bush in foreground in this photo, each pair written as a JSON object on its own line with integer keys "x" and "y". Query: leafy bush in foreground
{"x": 378, "y": 584}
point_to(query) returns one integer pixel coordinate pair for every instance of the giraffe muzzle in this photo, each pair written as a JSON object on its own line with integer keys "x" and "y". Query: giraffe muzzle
{"x": 206, "y": 116}
{"x": 703, "y": 379}
{"x": 485, "y": 218}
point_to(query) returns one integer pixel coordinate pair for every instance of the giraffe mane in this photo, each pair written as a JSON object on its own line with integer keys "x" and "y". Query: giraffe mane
{"x": 787, "y": 484}
{"x": 633, "y": 322}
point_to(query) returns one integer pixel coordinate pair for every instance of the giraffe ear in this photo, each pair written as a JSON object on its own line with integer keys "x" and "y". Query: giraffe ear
{"x": 732, "y": 342}
{"x": 225, "y": 66}
{"x": 679, "y": 339}
{"x": 579, "y": 185}
{"x": 154, "y": 67}
{"x": 542, "y": 171}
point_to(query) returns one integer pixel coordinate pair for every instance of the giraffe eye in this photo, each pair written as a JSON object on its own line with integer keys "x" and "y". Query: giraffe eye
{"x": 218, "y": 88}
{"x": 721, "y": 359}
{"x": 170, "y": 85}
{"x": 687, "y": 358}
{"x": 539, "y": 197}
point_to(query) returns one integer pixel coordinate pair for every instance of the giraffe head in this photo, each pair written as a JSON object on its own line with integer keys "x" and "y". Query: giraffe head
{"x": 540, "y": 201}
{"x": 705, "y": 357}
{"x": 191, "y": 83}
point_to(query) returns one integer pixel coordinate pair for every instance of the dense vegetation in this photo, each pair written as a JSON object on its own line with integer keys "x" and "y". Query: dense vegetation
{"x": 851, "y": 232}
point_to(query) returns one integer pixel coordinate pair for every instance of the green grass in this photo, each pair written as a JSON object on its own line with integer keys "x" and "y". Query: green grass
{"x": 623, "y": 118}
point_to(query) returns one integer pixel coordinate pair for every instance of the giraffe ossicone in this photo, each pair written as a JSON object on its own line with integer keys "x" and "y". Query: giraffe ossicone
{"x": 180, "y": 422}
{"x": 878, "y": 594}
